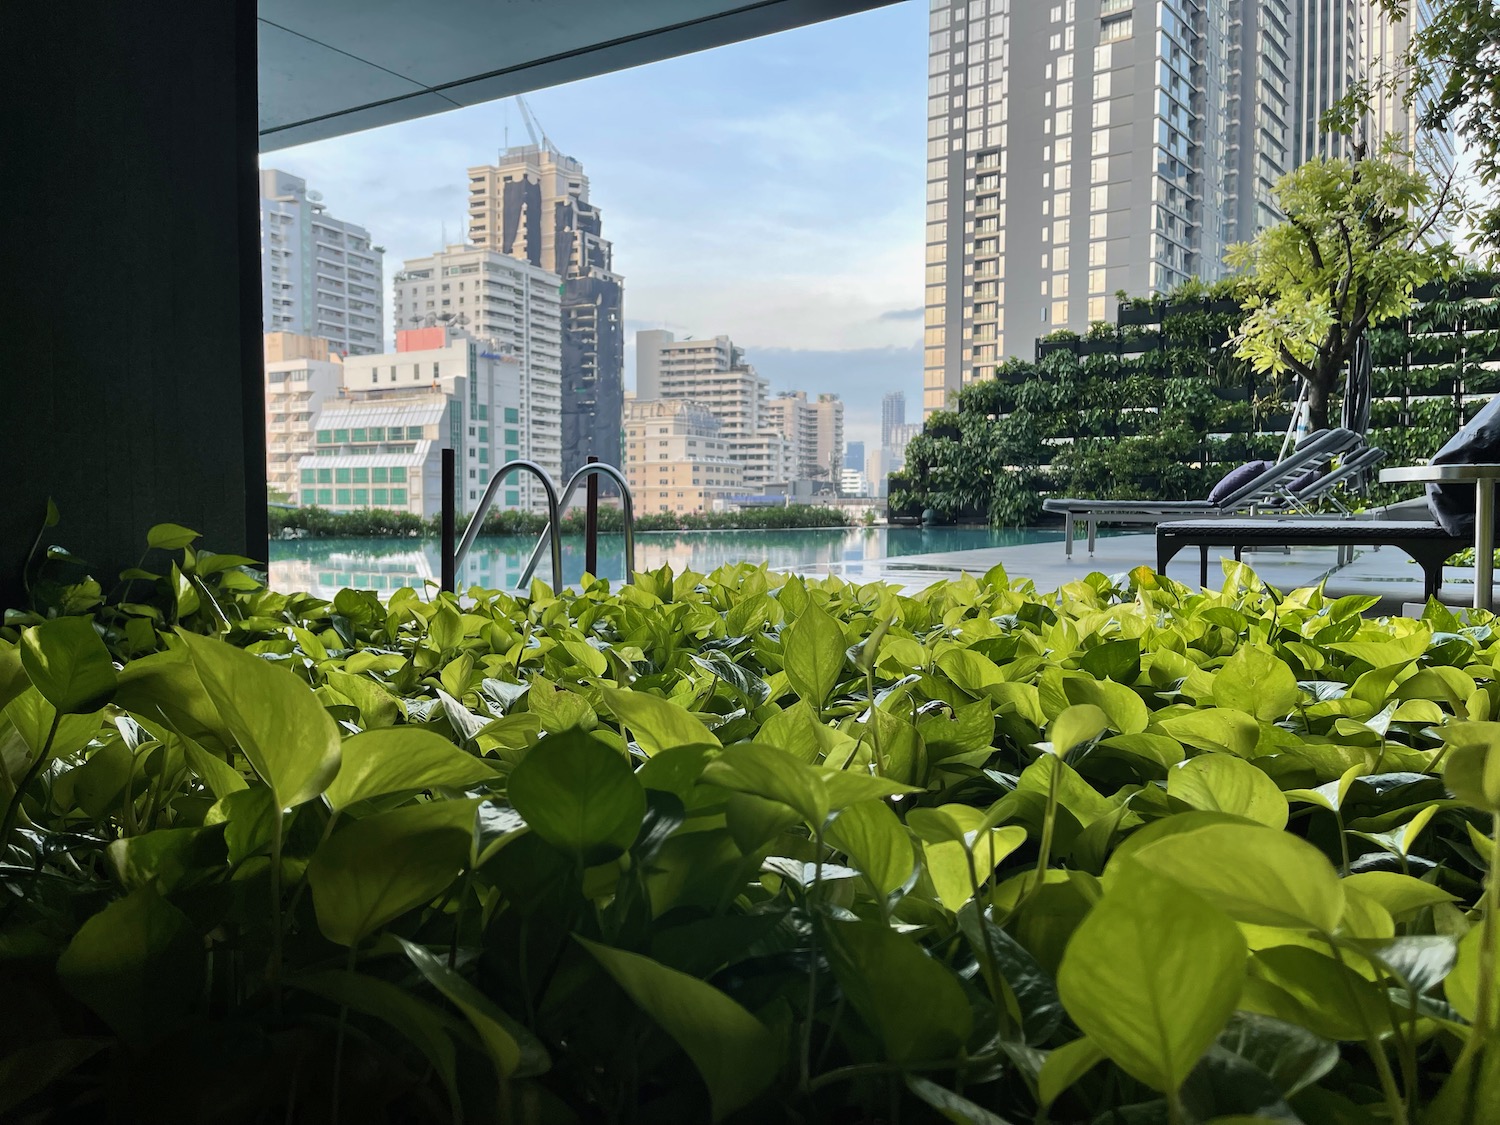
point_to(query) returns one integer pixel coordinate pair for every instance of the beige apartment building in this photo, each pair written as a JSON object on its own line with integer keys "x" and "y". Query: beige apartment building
{"x": 676, "y": 457}
{"x": 301, "y": 375}
{"x": 713, "y": 373}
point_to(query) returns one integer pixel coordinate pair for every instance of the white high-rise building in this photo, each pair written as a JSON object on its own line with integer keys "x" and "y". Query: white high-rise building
{"x": 1078, "y": 149}
{"x": 379, "y": 445}
{"x": 320, "y": 276}
{"x": 714, "y": 374}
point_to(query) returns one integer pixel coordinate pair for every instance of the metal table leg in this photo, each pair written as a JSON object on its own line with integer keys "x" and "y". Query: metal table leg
{"x": 1484, "y": 542}
{"x": 1068, "y": 535}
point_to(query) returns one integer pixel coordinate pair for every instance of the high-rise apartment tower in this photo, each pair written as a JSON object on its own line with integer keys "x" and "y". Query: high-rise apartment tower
{"x": 1083, "y": 147}
{"x": 320, "y": 276}
{"x": 892, "y": 413}
{"x": 533, "y": 204}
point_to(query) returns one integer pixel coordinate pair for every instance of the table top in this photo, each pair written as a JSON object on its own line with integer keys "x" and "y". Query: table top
{"x": 1436, "y": 474}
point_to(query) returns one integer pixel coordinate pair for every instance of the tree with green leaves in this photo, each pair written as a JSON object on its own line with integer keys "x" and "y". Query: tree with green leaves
{"x": 1357, "y": 240}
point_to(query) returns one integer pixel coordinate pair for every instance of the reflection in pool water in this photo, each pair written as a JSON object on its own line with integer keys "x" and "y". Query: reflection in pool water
{"x": 324, "y": 566}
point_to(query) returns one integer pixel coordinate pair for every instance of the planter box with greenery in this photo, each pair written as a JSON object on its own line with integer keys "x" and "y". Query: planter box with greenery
{"x": 740, "y": 847}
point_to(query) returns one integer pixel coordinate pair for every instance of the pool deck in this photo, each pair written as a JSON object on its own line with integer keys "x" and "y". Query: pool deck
{"x": 1384, "y": 572}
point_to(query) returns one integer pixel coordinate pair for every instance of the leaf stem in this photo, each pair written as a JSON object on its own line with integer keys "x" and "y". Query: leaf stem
{"x": 273, "y": 968}
{"x": 13, "y": 810}
{"x": 338, "y": 1046}
{"x": 805, "y": 1062}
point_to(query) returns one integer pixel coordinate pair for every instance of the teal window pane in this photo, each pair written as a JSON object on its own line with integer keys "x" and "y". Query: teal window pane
{"x": 512, "y": 437}
{"x": 340, "y": 436}
{"x": 358, "y": 435}
{"x": 484, "y": 456}
{"x": 512, "y": 415}
{"x": 325, "y": 437}
{"x": 484, "y": 433}
{"x": 325, "y": 476}
{"x": 309, "y": 476}
{"x": 361, "y": 476}
{"x": 340, "y": 476}
{"x": 414, "y": 433}
{"x": 382, "y": 495}
{"x": 398, "y": 496}
{"x": 511, "y": 454}
{"x": 361, "y": 495}
{"x": 512, "y": 497}
{"x": 379, "y": 475}
{"x": 325, "y": 496}
{"x": 309, "y": 497}
{"x": 377, "y": 433}
{"x": 341, "y": 496}
{"x": 398, "y": 475}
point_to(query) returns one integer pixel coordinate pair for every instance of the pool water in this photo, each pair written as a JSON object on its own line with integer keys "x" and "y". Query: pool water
{"x": 325, "y": 566}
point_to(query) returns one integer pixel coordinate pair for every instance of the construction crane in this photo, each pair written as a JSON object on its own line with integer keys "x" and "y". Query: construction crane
{"x": 534, "y": 128}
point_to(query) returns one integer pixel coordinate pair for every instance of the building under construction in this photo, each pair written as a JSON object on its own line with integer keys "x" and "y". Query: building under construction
{"x": 533, "y": 204}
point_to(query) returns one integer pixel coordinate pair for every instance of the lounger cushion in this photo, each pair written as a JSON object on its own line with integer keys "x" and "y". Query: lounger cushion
{"x": 1312, "y": 476}
{"x": 1478, "y": 443}
{"x": 1236, "y": 479}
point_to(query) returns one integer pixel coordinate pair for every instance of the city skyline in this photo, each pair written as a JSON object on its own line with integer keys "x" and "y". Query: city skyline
{"x": 766, "y": 190}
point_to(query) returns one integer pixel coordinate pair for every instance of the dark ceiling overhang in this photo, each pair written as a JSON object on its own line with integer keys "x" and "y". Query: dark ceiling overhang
{"x": 330, "y": 67}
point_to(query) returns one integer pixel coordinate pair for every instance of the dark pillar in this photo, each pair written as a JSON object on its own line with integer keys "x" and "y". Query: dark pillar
{"x": 130, "y": 347}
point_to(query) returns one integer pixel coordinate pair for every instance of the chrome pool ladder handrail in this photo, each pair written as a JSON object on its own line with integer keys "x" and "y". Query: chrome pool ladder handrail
{"x": 627, "y": 504}
{"x": 552, "y": 533}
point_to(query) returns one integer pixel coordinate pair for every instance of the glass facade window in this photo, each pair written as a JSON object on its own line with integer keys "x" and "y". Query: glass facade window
{"x": 325, "y": 496}
{"x": 309, "y": 476}
{"x": 340, "y": 436}
{"x": 361, "y": 476}
{"x": 380, "y": 475}
{"x": 340, "y": 476}
{"x": 341, "y": 496}
{"x": 380, "y": 496}
{"x": 358, "y": 436}
{"x": 398, "y": 474}
{"x": 398, "y": 496}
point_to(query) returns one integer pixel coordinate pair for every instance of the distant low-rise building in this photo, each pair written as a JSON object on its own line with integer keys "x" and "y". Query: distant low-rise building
{"x": 853, "y": 482}
{"x": 676, "y": 458}
{"x": 300, "y": 376}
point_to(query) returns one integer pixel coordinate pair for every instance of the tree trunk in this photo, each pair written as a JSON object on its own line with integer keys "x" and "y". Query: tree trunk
{"x": 1319, "y": 385}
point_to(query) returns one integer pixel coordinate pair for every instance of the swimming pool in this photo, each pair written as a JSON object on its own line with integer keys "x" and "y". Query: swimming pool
{"x": 324, "y": 566}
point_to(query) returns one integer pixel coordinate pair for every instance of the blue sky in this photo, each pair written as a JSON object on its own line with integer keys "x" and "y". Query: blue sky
{"x": 771, "y": 190}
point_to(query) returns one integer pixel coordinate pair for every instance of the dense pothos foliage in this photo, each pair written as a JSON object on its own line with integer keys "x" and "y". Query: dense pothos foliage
{"x": 1160, "y": 408}
{"x": 748, "y": 848}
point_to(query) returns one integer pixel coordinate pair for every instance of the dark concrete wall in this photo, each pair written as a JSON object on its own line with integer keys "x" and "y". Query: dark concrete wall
{"x": 130, "y": 385}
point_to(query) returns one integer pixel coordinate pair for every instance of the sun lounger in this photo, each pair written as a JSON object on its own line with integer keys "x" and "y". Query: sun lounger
{"x": 1264, "y": 488}
{"x": 1426, "y": 542}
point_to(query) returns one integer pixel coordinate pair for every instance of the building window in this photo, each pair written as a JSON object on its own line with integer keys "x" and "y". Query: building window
{"x": 398, "y": 475}
{"x": 1059, "y": 312}
{"x": 380, "y": 496}
{"x": 341, "y": 476}
{"x": 309, "y": 476}
{"x": 361, "y": 476}
{"x": 398, "y": 496}
{"x": 325, "y": 496}
{"x": 341, "y": 496}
